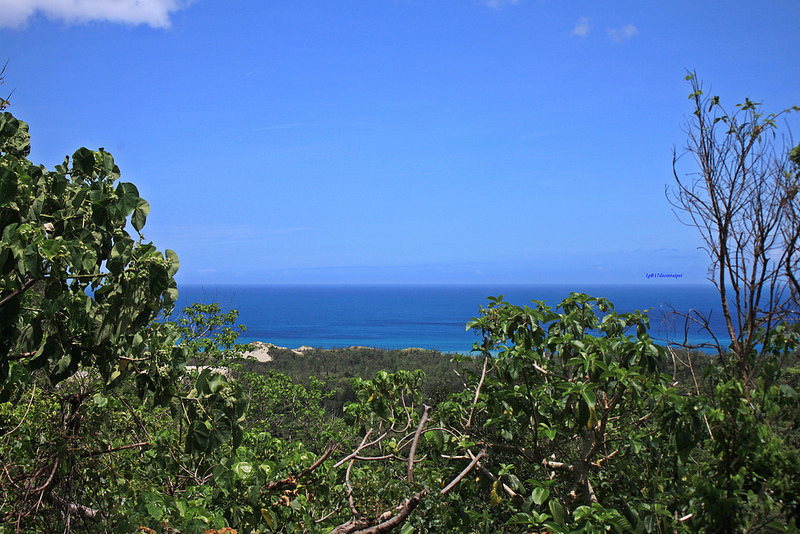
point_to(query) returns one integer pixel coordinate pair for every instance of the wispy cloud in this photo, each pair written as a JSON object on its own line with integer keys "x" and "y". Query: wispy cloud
{"x": 154, "y": 13}
{"x": 496, "y": 4}
{"x": 582, "y": 27}
{"x": 623, "y": 33}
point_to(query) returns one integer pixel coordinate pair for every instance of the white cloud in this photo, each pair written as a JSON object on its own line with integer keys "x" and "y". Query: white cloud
{"x": 622, "y": 34}
{"x": 582, "y": 27}
{"x": 155, "y": 13}
{"x": 496, "y": 4}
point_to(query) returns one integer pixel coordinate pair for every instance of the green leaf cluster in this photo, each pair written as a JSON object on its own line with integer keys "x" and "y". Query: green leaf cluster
{"x": 75, "y": 288}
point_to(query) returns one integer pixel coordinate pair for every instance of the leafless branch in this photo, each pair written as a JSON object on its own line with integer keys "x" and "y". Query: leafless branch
{"x": 464, "y": 472}
{"x": 361, "y": 447}
{"x": 389, "y": 519}
{"x": 486, "y": 357}
{"x": 741, "y": 199}
{"x": 26, "y": 286}
{"x": 424, "y": 419}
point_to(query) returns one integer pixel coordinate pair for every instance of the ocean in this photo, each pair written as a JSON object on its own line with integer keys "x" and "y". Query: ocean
{"x": 429, "y": 317}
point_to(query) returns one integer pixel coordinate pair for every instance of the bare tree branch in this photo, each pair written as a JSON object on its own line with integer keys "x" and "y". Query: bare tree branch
{"x": 412, "y": 452}
{"x": 486, "y": 357}
{"x": 389, "y": 519}
{"x": 464, "y": 472}
{"x": 741, "y": 199}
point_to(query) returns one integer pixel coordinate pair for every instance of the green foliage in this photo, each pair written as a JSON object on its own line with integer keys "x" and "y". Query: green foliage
{"x": 387, "y": 399}
{"x": 288, "y": 410}
{"x": 78, "y": 296}
{"x": 569, "y": 420}
{"x": 742, "y": 199}
{"x": 338, "y": 367}
{"x": 572, "y": 405}
{"x": 75, "y": 288}
{"x": 210, "y": 335}
{"x": 744, "y": 474}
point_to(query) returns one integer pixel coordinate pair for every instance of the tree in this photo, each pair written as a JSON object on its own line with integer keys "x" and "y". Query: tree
{"x": 581, "y": 426}
{"x": 743, "y": 200}
{"x": 77, "y": 293}
{"x": 78, "y": 299}
{"x": 75, "y": 288}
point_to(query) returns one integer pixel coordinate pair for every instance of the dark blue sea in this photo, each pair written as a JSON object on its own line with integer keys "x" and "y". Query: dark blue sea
{"x": 430, "y": 317}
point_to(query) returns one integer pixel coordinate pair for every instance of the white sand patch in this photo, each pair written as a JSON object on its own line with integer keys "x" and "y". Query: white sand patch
{"x": 261, "y": 351}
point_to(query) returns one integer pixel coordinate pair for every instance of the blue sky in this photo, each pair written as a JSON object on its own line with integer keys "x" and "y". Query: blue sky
{"x": 394, "y": 141}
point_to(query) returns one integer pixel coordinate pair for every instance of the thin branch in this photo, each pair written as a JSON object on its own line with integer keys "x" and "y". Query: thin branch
{"x": 49, "y": 479}
{"x": 126, "y": 359}
{"x": 403, "y": 511}
{"x": 25, "y": 415}
{"x": 26, "y": 286}
{"x": 464, "y": 473}
{"x": 422, "y": 421}
{"x": 487, "y": 355}
{"x": 115, "y": 449}
{"x": 349, "y": 487}
{"x": 362, "y": 446}
{"x": 324, "y": 456}
{"x": 557, "y": 466}
{"x": 590, "y": 494}
{"x": 389, "y": 520}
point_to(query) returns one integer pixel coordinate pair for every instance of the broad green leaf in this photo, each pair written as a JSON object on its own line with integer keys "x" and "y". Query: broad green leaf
{"x": 789, "y": 391}
{"x": 216, "y": 381}
{"x": 198, "y": 437}
{"x": 14, "y": 136}
{"x": 243, "y": 470}
{"x": 120, "y": 255}
{"x": 89, "y": 261}
{"x": 30, "y": 260}
{"x": 540, "y": 495}
{"x": 128, "y": 196}
{"x": 589, "y": 397}
{"x": 267, "y": 468}
{"x": 8, "y": 186}
{"x": 581, "y": 512}
{"x": 269, "y": 518}
{"x": 559, "y": 515}
{"x": 83, "y": 161}
{"x": 50, "y": 248}
{"x": 107, "y": 161}
{"x": 173, "y": 261}
{"x": 513, "y": 482}
{"x": 170, "y": 296}
{"x": 140, "y": 213}
{"x": 438, "y": 438}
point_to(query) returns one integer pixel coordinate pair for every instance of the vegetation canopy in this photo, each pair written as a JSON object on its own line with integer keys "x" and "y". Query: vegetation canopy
{"x": 119, "y": 415}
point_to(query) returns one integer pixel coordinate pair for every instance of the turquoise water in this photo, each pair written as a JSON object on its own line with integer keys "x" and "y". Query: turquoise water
{"x": 431, "y": 317}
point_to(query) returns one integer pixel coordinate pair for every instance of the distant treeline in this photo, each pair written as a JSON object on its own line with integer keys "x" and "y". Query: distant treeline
{"x": 338, "y": 367}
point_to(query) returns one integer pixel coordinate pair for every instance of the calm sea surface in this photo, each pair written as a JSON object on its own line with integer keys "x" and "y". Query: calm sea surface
{"x": 431, "y": 317}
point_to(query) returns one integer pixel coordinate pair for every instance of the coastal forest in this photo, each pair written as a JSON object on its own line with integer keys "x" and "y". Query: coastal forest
{"x": 120, "y": 413}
